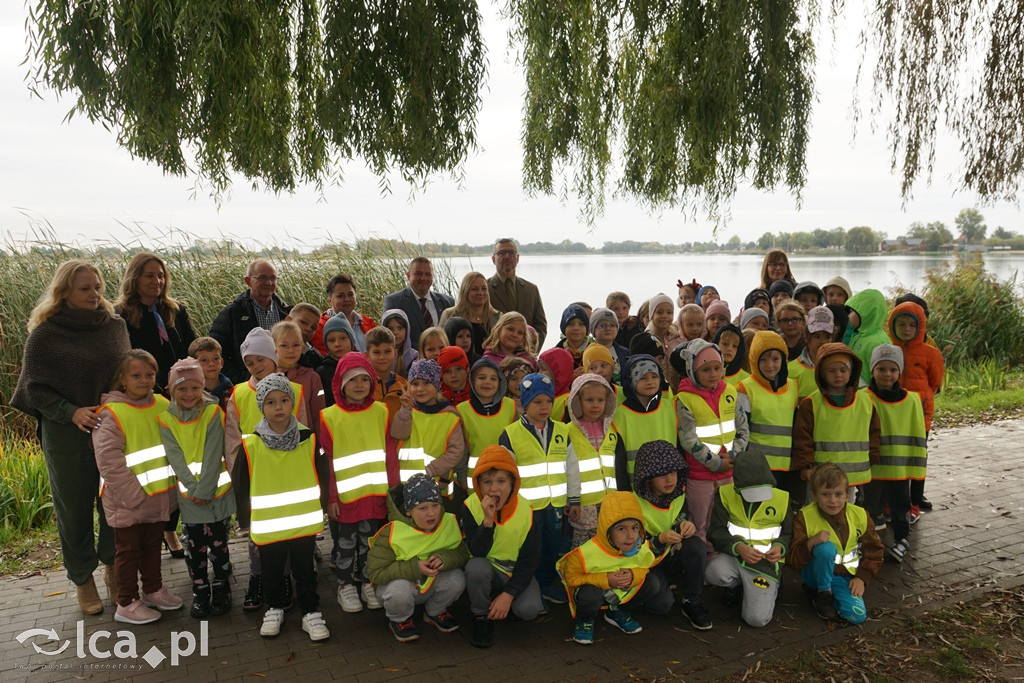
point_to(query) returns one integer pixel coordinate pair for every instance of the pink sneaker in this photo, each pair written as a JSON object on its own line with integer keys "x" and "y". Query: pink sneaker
{"x": 135, "y": 613}
{"x": 163, "y": 600}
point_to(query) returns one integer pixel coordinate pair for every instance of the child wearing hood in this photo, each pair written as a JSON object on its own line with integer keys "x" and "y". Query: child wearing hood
{"x": 454, "y": 374}
{"x": 363, "y": 466}
{"x": 505, "y": 546}
{"x": 729, "y": 340}
{"x": 545, "y": 457}
{"x": 431, "y": 430}
{"x": 396, "y": 320}
{"x": 280, "y": 463}
{"x": 612, "y": 569}
{"x": 868, "y": 313}
{"x": 645, "y": 415}
{"x": 836, "y": 424}
{"x": 923, "y": 371}
{"x": 192, "y": 432}
{"x": 514, "y": 369}
{"x": 558, "y": 364}
{"x": 711, "y": 431}
{"x": 339, "y": 341}
{"x": 417, "y": 559}
{"x": 660, "y": 486}
{"x": 819, "y": 330}
{"x": 751, "y": 526}
{"x": 591, "y": 408}
{"x": 575, "y": 327}
{"x": 487, "y": 412}
{"x": 598, "y": 361}
{"x": 769, "y": 400}
{"x": 716, "y": 317}
{"x": 460, "y": 333}
{"x": 604, "y": 328}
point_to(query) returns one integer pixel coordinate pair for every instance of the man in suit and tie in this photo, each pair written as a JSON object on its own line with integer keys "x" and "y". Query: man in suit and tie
{"x": 422, "y": 306}
{"x": 511, "y": 293}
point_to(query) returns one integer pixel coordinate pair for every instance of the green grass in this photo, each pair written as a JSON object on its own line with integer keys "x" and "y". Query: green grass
{"x": 980, "y": 392}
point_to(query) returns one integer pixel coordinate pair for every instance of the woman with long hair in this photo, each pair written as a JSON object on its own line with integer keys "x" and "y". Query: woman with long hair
{"x": 474, "y": 304}
{"x": 775, "y": 267}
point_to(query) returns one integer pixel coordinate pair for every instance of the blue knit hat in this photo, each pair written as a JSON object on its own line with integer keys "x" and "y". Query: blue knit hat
{"x": 574, "y": 311}
{"x": 533, "y": 385}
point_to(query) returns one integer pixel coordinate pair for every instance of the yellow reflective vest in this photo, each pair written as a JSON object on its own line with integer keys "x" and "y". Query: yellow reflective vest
{"x": 284, "y": 491}
{"x": 541, "y": 475}
{"x": 771, "y": 422}
{"x": 903, "y": 446}
{"x": 359, "y": 453}
{"x": 803, "y": 376}
{"x": 596, "y": 560}
{"x": 856, "y": 518}
{"x": 143, "y": 450}
{"x": 763, "y": 528}
{"x": 410, "y": 543}
{"x": 428, "y": 440}
{"x": 243, "y": 397}
{"x": 635, "y": 429}
{"x": 484, "y": 430}
{"x": 509, "y": 534}
{"x": 714, "y": 431}
{"x": 842, "y": 435}
{"x": 191, "y": 438}
{"x": 596, "y": 466}
{"x": 736, "y": 378}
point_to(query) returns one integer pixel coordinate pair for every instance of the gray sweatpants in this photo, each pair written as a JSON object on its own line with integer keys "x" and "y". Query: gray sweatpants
{"x": 401, "y": 596}
{"x": 484, "y": 583}
{"x": 759, "y": 592}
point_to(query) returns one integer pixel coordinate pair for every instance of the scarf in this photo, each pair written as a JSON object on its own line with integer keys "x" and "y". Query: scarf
{"x": 279, "y": 442}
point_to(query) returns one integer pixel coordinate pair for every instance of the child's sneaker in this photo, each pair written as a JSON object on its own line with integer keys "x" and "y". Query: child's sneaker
{"x": 583, "y": 633}
{"x": 135, "y": 613}
{"x": 880, "y": 522}
{"x": 348, "y": 598}
{"x": 623, "y": 620}
{"x": 272, "y": 619}
{"x": 555, "y": 594}
{"x": 925, "y": 504}
{"x": 370, "y": 597}
{"x": 404, "y": 631}
{"x": 824, "y": 606}
{"x": 220, "y": 598}
{"x": 444, "y": 621}
{"x": 898, "y": 550}
{"x": 914, "y": 514}
{"x": 483, "y": 632}
{"x": 314, "y": 624}
{"x": 162, "y": 600}
{"x": 254, "y": 594}
{"x": 698, "y": 615}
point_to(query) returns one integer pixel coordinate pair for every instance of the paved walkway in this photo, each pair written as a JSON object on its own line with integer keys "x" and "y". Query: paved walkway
{"x": 972, "y": 541}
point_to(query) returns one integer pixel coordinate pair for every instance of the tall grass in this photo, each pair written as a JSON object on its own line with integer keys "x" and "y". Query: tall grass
{"x": 25, "y": 500}
{"x": 205, "y": 274}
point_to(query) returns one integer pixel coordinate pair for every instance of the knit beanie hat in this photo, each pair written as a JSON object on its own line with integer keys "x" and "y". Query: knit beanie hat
{"x": 533, "y": 385}
{"x": 781, "y": 286}
{"x": 184, "y": 370}
{"x": 259, "y": 343}
{"x": 820, "y": 319}
{"x": 275, "y": 381}
{"x": 452, "y": 356}
{"x": 641, "y": 367}
{"x": 841, "y": 283}
{"x": 646, "y": 343}
{"x": 602, "y": 315}
{"x": 756, "y": 295}
{"x": 703, "y": 290}
{"x": 571, "y": 312}
{"x": 720, "y": 308}
{"x": 887, "y": 352}
{"x": 339, "y": 323}
{"x": 419, "y": 489}
{"x": 426, "y": 369}
{"x": 708, "y": 354}
{"x": 596, "y": 352}
{"x": 750, "y": 314}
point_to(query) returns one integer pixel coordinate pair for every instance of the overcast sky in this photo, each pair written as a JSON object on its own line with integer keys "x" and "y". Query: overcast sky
{"x": 74, "y": 176}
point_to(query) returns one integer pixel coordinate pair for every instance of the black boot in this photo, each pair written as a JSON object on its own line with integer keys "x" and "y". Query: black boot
{"x": 200, "y": 601}
{"x": 289, "y": 595}
{"x": 254, "y": 594}
{"x": 220, "y": 602}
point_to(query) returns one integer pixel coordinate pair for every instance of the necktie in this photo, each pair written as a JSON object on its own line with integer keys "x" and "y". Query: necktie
{"x": 161, "y": 327}
{"x": 427, "y": 320}
{"x": 510, "y": 294}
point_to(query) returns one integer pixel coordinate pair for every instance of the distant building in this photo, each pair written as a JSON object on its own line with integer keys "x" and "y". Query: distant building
{"x": 902, "y": 244}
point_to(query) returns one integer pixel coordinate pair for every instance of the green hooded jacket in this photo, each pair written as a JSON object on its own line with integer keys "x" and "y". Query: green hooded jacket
{"x": 870, "y": 305}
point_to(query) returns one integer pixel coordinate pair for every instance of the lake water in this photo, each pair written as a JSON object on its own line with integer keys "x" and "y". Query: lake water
{"x": 565, "y": 279}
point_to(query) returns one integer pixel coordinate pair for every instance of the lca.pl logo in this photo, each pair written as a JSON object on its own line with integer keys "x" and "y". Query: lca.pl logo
{"x": 97, "y": 644}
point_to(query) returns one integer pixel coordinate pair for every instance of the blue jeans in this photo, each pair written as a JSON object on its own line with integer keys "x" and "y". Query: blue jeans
{"x": 819, "y": 574}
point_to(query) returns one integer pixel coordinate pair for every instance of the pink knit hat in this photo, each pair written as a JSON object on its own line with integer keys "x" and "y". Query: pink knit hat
{"x": 184, "y": 370}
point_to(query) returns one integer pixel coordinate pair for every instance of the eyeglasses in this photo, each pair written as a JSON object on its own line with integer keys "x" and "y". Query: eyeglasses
{"x": 777, "y": 264}
{"x": 790, "y": 321}
{"x": 265, "y": 278}
{"x": 505, "y": 252}
{"x": 518, "y": 372}
{"x": 606, "y": 326}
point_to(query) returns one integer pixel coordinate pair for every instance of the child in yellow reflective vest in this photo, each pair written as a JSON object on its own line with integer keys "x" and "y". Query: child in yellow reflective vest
{"x": 417, "y": 559}
{"x": 192, "y": 431}
{"x": 487, "y": 412}
{"x": 903, "y": 453}
{"x": 591, "y": 408}
{"x": 363, "y": 464}
{"x": 660, "y": 485}
{"x": 282, "y": 492}
{"x": 820, "y": 330}
{"x": 835, "y": 547}
{"x": 751, "y": 526}
{"x": 505, "y": 544}
{"x": 646, "y": 414}
{"x": 612, "y": 569}
{"x": 291, "y": 346}
{"x": 135, "y": 480}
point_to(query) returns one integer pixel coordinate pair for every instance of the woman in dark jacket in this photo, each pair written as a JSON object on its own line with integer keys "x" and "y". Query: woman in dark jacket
{"x": 158, "y": 324}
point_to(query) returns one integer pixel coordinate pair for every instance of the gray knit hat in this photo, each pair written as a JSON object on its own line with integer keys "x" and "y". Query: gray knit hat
{"x": 275, "y": 381}
{"x": 602, "y": 315}
{"x": 887, "y": 352}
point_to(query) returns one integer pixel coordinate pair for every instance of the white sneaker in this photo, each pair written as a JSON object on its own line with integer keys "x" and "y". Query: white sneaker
{"x": 370, "y": 597}
{"x": 348, "y": 598}
{"x": 314, "y": 624}
{"x": 272, "y": 619}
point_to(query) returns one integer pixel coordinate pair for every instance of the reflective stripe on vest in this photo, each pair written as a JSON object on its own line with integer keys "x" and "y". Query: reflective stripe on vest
{"x": 409, "y": 543}
{"x": 509, "y": 534}
{"x": 841, "y": 436}
{"x": 191, "y": 438}
{"x": 635, "y": 429}
{"x": 359, "y": 439}
{"x": 143, "y": 449}
{"x": 484, "y": 430}
{"x": 244, "y": 399}
{"x": 856, "y": 520}
{"x": 595, "y": 476}
{"x": 771, "y": 422}
{"x": 541, "y": 475}
{"x": 714, "y": 431}
{"x": 428, "y": 441}
{"x": 284, "y": 492}
{"x": 903, "y": 447}
{"x": 762, "y": 528}
{"x": 596, "y": 560}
